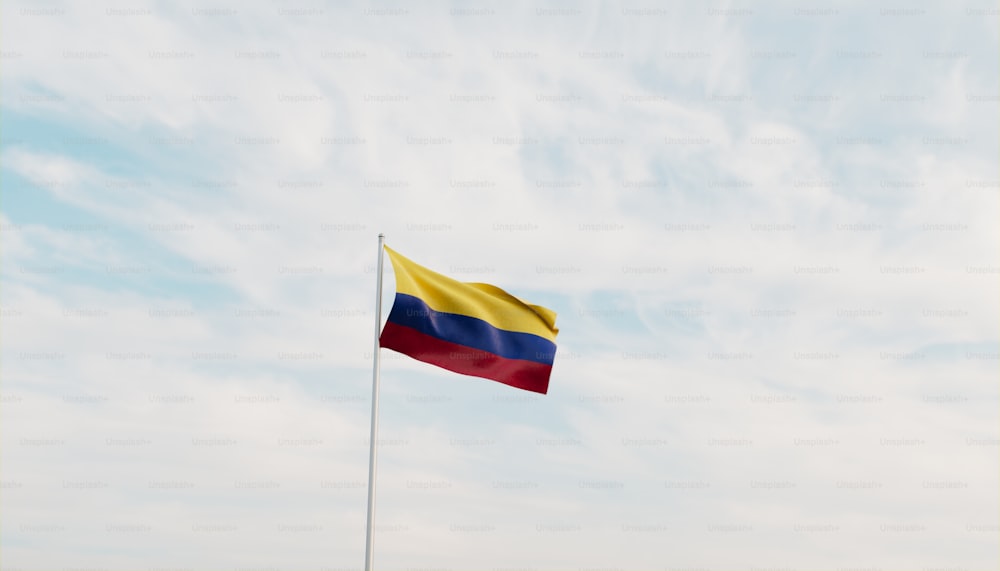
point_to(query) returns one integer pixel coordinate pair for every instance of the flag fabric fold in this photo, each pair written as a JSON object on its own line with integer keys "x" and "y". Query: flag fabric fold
{"x": 469, "y": 328}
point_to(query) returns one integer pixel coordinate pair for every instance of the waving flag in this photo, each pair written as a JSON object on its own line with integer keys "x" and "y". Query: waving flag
{"x": 469, "y": 328}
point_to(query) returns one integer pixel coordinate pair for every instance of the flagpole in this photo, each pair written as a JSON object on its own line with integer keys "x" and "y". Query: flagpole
{"x": 370, "y": 528}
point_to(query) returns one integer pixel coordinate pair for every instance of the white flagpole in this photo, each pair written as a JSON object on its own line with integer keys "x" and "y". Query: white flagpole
{"x": 370, "y": 531}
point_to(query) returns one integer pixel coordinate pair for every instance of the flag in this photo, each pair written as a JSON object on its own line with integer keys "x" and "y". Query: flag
{"x": 469, "y": 328}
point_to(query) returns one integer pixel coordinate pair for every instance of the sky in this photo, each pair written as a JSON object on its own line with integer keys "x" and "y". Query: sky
{"x": 769, "y": 231}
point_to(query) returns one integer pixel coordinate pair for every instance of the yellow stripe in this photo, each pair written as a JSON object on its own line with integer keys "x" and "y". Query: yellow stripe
{"x": 482, "y": 301}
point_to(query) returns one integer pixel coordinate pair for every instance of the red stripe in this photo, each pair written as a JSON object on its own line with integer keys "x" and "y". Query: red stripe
{"x": 527, "y": 375}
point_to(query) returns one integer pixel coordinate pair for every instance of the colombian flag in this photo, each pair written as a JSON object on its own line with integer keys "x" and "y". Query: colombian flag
{"x": 469, "y": 328}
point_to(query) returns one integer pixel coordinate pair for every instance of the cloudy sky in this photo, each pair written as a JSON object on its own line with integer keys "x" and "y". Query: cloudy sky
{"x": 769, "y": 231}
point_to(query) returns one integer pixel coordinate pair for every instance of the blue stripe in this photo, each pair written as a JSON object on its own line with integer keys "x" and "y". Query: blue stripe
{"x": 471, "y": 332}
